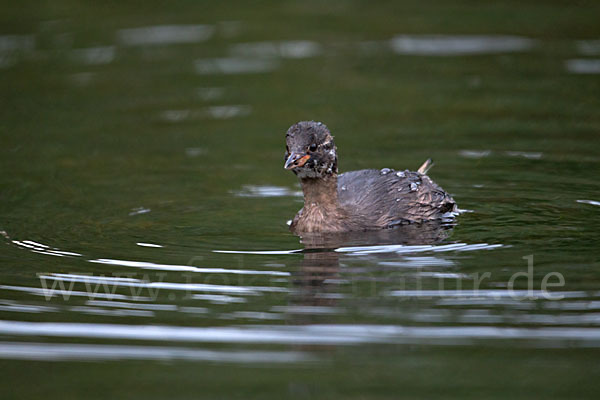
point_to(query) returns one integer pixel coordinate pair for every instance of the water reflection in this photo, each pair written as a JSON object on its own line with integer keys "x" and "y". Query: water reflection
{"x": 289, "y": 49}
{"x": 318, "y": 279}
{"x": 16, "y": 43}
{"x": 583, "y": 66}
{"x": 337, "y": 276}
{"x": 139, "y": 210}
{"x": 73, "y": 352}
{"x": 154, "y": 245}
{"x": 164, "y": 34}
{"x": 450, "y": 45}
{"x": 214, "y": 112}
{"x": 94, "y": 55}
{"x": 153, "y": 287}
{"x": 11, "y": 305}
{"x": 235, "y": 65}
{"x": 427, "y": 234}
{"x": 43, "y": 249}
{"x": 319, "y": 334}
{"x": 266, "y": 191}
{"x": 590, "y": 202}
{"x": 524, "y": 154}
{"x": 186, "y": 268}
{"x": 475, "y": 153}
{"x": 81, "y": 79}
{"x": 317, "y": 276}
{"x": 12, "y": 47}
{"x": 588, "y": 47}
{"x": 210, "y": 93}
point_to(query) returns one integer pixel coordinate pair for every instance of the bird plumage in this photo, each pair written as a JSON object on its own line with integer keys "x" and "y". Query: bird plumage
{"x": 358, "y": 200}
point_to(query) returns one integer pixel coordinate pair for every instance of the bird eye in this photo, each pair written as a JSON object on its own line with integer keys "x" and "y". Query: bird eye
{"x": 313, "y": 147}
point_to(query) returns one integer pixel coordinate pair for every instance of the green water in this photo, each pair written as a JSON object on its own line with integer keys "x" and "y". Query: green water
{"x": 133, "y": 166}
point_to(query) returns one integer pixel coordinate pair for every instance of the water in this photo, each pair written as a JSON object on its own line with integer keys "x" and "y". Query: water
{"x": 145, "y": 250}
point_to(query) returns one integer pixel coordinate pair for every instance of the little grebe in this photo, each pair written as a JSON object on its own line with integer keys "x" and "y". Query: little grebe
{"x": 362, "y": 200}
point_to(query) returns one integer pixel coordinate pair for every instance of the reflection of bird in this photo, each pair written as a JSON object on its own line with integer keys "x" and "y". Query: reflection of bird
{"x": 319, "y": 282}
{"x": 359, "y": 200}
{"x": 428, "y": 233}
{"x": 318, "y": 273}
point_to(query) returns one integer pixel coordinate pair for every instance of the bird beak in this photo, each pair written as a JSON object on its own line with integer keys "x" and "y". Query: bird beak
{"x": 296, "y": 160}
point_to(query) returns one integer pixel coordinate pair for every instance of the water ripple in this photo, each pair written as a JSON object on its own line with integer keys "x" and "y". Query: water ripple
{"x": 186, "y": 268}
{"x": 164, "y": 34}
{"x": 55, "y": 292}
{"x": 43, "y": 249}
{"x": 346, "y": 334}
{"x": 583, "y": 66}
{"x": 137, "y": 283}
{"x": 266, "y": 191}
{"x": 235, "y": 65}
{"x": 456, "y": 45}
{"x": 72, "y": 352}
{"x": 263, "y": 252}
{"x": 284, "y": 49}
{"x": 487, "y": 294}
{"x": 402, "y": 249}
{"x": 590, "y": 202}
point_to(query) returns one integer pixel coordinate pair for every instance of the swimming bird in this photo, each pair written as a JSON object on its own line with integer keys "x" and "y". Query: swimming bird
{"x": 364, "y": 200}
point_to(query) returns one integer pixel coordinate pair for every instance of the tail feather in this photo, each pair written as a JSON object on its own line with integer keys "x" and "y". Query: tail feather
{"x": 423, "y": 169}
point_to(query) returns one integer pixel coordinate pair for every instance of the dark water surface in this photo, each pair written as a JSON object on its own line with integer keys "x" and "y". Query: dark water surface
{"x": 143, "y": 203}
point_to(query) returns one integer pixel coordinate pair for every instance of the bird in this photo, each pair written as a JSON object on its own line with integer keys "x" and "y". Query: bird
{"x": 364, "y": 200}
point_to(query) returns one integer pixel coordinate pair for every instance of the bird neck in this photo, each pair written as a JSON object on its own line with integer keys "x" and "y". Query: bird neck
{"x": 320, "y": 192}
